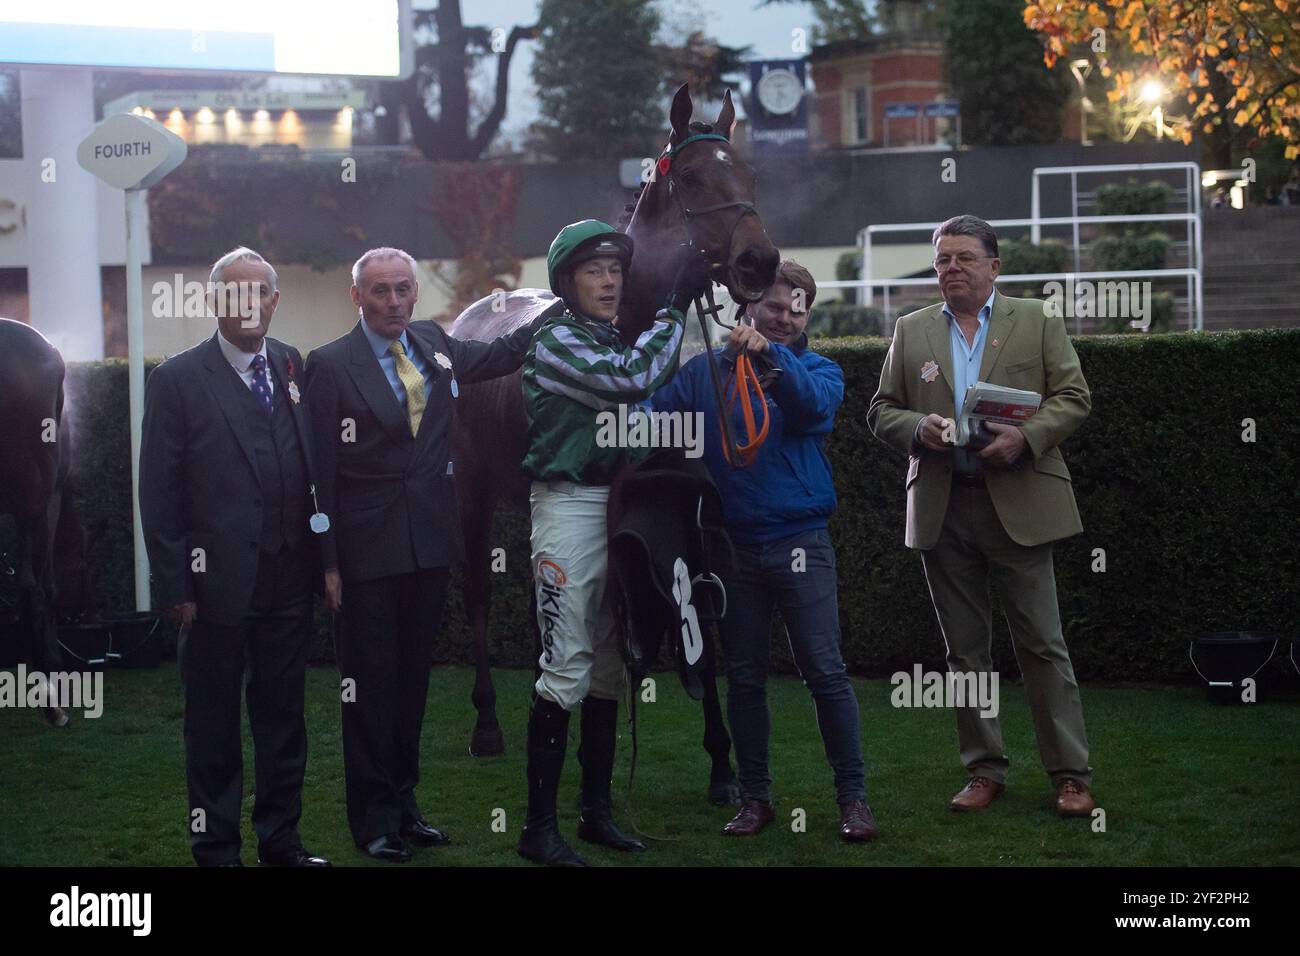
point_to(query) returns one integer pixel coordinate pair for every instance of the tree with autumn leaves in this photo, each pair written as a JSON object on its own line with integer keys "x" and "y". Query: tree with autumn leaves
{"x": 1232, "y": 63}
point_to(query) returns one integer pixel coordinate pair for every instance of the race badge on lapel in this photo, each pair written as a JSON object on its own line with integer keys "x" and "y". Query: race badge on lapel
{"x": 930, "y": 371}
{"x": 442, "y": 360}
{"x": 294, "y": 395}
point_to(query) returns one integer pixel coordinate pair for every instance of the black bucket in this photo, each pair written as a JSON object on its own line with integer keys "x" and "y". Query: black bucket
{"x": 136, "y": 639}
{"x": 85, "y": 646}
{"x": 1225, "y": 659}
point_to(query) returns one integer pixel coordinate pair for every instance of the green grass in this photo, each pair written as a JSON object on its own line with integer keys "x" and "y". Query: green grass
{"x": 1183, "y": 782}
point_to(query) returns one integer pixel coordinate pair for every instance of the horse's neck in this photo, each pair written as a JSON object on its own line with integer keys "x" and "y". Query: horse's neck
{"x": 656, "y": 233}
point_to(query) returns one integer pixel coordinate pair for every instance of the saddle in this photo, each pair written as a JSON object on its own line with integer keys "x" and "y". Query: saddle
{"x": 665, "y": 532}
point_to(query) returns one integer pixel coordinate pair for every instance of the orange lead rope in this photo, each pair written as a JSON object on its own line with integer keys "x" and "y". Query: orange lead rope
{"x": 738, "y": 387}
{"x": 742, "y": 378}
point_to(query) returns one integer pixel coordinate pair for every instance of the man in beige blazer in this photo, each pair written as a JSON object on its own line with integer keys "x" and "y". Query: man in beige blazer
{"x": 991, "y": 516}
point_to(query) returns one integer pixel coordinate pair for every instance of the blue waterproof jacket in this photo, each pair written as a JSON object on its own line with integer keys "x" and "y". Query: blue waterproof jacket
{"x": 788, "y": 488}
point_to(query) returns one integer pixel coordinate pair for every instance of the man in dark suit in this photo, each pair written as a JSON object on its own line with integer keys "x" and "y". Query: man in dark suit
{"x": 383, "y": 399}
{"x": 226, "y": 500}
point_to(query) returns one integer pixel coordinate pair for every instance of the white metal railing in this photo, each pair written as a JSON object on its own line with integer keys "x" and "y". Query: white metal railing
{"x": 1193, "y": 272}
{"x": 1192, "y": 172}
{"x": 1192, "y": 186}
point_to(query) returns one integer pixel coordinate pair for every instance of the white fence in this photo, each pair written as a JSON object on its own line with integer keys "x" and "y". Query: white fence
{"x": 1192, "y": 272}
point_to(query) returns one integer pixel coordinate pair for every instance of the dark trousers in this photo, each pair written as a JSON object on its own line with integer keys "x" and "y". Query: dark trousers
{"x": 266, "y": 653}
{"x": 801, "y": 584}
{"x": 384, "y": 651}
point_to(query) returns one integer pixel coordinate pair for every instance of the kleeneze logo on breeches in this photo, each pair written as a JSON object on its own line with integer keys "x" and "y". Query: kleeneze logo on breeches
{"x": 550, "y": 578}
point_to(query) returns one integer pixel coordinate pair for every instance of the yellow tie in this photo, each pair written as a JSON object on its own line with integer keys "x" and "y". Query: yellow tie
{"x": 413, "y": 381}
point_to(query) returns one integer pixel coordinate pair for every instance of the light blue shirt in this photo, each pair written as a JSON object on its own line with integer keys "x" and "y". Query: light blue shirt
{"x": 388, "y": 362}
{"x": 966, "y": 359}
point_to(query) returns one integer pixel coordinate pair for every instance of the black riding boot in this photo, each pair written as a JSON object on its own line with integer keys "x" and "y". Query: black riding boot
{"x": 548, "y": 735}
{"x": 596, "y": 754}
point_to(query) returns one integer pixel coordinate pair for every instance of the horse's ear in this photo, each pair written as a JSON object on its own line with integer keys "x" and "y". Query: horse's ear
{"x": 726, "y": 116}
{"x": 680, "y": 114}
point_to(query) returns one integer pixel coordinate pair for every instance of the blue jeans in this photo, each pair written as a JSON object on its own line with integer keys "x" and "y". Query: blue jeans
{"x": 768, "y": 576}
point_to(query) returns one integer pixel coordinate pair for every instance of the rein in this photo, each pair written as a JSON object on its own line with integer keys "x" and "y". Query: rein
{"x": 737, "y": 386}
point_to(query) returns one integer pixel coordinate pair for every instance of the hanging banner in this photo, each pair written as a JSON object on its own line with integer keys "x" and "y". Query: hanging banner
{"x": 778, "y": 106}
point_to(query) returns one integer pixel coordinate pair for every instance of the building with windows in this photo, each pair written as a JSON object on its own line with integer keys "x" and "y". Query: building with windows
{"x": 871, "y": 93}
{"x": 311, "y": 120}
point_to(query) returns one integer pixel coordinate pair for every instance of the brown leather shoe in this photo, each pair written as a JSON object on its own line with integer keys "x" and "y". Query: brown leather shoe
{"x": 753, "y": 817}
{"x": 857, "y": 823}
{"x": 978, "y": 793}
{"x": 1073, "y": 799}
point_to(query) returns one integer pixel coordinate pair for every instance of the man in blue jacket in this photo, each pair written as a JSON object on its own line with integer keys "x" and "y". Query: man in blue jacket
{"x": 776, "y": 512}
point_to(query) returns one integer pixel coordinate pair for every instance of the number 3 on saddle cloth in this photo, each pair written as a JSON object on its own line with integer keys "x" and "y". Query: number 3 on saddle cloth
{"x": 665, "y": 534}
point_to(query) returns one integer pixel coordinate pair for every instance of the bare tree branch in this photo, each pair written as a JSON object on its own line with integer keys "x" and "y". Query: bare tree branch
{"x": 492, "y": 122}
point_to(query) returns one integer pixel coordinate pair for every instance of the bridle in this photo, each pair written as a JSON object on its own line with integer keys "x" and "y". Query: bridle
{"x": 664, "y": 167}
{"x": 744, "y": 377}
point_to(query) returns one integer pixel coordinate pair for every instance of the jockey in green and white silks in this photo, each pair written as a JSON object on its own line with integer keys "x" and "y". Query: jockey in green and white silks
{"x": 577, "y": 367}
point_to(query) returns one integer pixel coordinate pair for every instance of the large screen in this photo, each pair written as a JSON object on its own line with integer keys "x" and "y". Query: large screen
{"x": 330, "y": 37}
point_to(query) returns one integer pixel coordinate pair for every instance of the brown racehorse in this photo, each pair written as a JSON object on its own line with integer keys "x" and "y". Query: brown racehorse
{"x": 705, "y": 195}
{"x": 33, "y": 469}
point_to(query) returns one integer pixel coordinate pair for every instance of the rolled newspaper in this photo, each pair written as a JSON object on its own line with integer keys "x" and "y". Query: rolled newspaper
{"x": 986, "y": 402}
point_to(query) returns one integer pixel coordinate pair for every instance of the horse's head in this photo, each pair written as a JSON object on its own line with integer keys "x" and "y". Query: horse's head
{"x": 713, "y": 190}
{"x": 702, "y": 191}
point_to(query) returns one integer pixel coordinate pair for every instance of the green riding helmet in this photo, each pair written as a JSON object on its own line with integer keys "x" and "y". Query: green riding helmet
{"x": 580, "y": 241}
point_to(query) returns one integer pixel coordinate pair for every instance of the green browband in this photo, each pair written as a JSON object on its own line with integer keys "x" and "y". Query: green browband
{"x": 693, "y": 138}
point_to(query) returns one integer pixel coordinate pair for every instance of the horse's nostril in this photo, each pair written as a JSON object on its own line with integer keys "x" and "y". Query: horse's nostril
{"x": 754, "y": 266}
{"x": 758, "y": 268}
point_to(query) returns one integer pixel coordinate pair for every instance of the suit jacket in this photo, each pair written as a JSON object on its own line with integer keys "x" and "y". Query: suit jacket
{"x": 1035, "y": 499}
{"x": 199, "y": 486}
{"x": 391, "y": 496}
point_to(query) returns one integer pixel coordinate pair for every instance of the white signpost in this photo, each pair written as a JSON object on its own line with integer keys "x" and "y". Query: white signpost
{"x": 132, "y": 153}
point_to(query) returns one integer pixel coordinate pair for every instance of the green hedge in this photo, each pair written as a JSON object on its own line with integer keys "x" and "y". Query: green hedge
{"x": 97, "y": 409}
{"x": 1199, "y": 528}
{"x": 1133, "y": 198}
{"x": 1116, "y": 253}
{"x": 1022, "y": 257}
{"x": 836, "y": 319}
